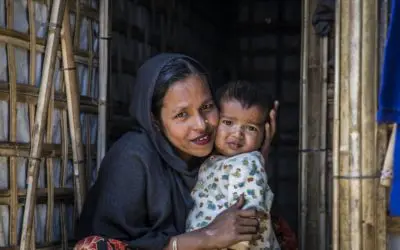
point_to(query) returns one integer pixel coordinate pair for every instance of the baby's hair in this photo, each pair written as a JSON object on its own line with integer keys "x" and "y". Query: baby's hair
{"x": 249, "y": 94}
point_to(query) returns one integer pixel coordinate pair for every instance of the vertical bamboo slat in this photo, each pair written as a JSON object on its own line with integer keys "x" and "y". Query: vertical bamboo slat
{"x": 369, "y": 79}
{"x": 49, "y": 171}
{"x": 12, "y": 74}
{"x": 323, "y": 146}
{"x": 355, "y": 171}
{"x": 40, "y": 118}
{"x": 381, "y": 239}
{"x": 64, "y": 169}
{"x": 344, "y": 199}
{"x": 336, "y": 132}
{"x": 303, "y": 163}
{"x": 32, "y": 59}
{"x": 103, "y": 79}
{"x": 72, "y": 92}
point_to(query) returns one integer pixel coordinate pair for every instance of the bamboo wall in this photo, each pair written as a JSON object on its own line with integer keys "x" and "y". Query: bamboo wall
{"x": 144, "y": 28}
{"x": 24, "y": 26}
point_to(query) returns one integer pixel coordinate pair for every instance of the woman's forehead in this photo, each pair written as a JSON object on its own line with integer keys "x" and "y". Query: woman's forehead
{"x": 191, "y": 91}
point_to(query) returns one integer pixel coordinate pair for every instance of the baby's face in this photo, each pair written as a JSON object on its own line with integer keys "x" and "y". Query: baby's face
{"x": 240, "y": 130}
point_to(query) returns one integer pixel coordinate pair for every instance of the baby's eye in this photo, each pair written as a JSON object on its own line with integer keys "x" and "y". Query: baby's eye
{"x": 251, "y": 128}
{"x": 227, "y": 122}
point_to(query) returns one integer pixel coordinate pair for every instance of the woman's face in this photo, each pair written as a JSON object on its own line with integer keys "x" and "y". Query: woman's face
{"x": 189, "y": 117}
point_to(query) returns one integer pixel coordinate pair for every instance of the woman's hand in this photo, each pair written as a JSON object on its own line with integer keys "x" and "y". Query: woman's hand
{"x": 270, "y": 129}
{"x": 233, "y": 225}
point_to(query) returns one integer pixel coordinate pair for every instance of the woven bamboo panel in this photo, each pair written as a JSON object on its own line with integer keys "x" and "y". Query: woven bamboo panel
{"x": 21, "y": 58}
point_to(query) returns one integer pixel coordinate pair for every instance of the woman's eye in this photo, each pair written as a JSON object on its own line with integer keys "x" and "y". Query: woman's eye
{"x": 207, "y": 106}
{"x": 226, "y": 122}
{"x": 181, "y": 115}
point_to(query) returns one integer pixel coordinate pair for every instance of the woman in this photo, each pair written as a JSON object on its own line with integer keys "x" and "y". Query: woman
{"x": 142, "y": 194}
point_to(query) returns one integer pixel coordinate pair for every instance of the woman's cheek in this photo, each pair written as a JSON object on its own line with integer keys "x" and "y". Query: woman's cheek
{"x": 213, "y": 118}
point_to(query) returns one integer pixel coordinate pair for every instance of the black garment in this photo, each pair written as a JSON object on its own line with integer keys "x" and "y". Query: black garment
{"x": 324, "y": 17}
{"x": 142, "y": 194}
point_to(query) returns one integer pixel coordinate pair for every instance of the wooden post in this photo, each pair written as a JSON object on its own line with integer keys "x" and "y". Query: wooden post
{"x": 35, "y": 154}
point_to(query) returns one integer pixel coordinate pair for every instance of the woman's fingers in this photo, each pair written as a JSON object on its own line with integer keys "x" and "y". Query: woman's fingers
{"x": 248, "y": 222}
{"x": 247, "y": 230}
{"x": 248, "y": 237}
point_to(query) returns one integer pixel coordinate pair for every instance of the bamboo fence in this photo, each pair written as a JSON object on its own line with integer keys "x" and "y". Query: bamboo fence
{"x": 39, "y": 94}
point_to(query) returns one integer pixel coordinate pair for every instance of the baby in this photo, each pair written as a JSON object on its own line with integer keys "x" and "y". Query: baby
{"x": 236, "y": 167}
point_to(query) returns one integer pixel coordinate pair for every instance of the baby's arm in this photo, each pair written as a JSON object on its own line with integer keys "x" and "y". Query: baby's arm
{"x": 248, "y": 177}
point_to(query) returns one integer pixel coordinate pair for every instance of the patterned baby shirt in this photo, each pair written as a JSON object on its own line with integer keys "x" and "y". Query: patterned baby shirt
{"x": 221, "y": 181}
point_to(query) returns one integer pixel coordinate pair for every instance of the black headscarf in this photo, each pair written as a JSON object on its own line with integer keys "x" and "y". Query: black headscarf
{"x": 142, "y": 194}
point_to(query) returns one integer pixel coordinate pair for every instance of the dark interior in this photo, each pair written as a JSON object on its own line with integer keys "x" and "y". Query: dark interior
{"x": 254, "y": 40}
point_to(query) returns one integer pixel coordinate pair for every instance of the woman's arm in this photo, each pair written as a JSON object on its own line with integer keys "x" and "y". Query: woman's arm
{"x": 230, "y": 227}
{"x": 118, "y": 208}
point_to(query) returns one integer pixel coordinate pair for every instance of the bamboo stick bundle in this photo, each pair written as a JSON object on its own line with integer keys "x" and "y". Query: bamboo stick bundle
{"x": 369, "y": 103}
{"x": 72, "y": 92}
{"x": 40, "y": 119}
{"x": 103, "y": 79}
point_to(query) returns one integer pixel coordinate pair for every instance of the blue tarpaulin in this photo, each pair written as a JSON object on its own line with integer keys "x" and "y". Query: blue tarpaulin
{"x": 389, "y": 97}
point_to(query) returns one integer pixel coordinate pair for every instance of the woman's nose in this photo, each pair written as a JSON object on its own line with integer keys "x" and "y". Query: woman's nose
{"x": 200, "y": 123}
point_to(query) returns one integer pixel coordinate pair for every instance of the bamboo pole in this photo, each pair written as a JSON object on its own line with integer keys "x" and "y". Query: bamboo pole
{"x": 336, "y": 133}
{"x": 40, "y": 118}
{"x": 382, "y": 138}
{"x": 344, "y": 160}
{"x": 12, "y": 75}
{"x": 369, "y": 103}
{"x": 72, "y": 92}
{"x": 103, "y": 79}
{"x": 323, "y": 146}
{"x": 304, "y": 124}
{"x": 355, "y": 169}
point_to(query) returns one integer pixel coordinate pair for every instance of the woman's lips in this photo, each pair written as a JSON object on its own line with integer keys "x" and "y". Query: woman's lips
{"x": 202, "y": 140}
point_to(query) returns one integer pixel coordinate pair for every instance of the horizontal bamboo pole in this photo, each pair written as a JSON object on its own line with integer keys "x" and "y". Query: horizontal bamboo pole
{"x": 60, "y": 194}
{"x": 9, "y": 149}
{"x": 21, "y": 40}
{"x": 29, "y": 94}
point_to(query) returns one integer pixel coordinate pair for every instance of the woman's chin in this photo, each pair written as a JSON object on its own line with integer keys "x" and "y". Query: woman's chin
{"x": 203, "y": 151}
